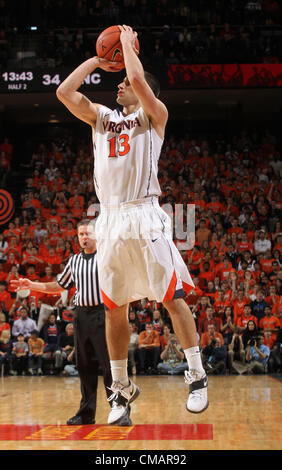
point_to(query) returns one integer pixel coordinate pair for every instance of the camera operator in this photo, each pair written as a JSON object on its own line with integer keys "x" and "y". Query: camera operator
{"x": 236, "y": 353}
{"x": 214, "y": 357}
{"x": 257, "y": 356}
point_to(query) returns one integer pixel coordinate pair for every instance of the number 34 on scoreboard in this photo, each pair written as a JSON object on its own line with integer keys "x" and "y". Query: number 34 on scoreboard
{"x": 48, "y": 79}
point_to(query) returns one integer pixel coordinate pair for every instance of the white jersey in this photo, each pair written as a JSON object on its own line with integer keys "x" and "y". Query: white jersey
{"x": 126, "y": 154}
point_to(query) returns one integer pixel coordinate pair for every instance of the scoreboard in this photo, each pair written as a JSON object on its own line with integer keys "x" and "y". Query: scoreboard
{"x": 40, "y": 81}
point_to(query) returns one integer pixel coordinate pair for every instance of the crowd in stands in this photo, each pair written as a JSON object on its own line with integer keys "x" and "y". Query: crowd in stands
{"x": 176, "y": 32}
{"x": 235, "y": 261}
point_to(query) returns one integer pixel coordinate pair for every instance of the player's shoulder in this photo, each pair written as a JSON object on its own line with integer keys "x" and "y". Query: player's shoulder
{"x": 104, "y": 110}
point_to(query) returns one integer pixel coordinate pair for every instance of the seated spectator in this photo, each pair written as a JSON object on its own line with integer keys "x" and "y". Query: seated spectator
{"x": 6, "y": 346}
{"x": 251, "y": 331}
{"x": 211, "y": 334}
{"x": 132, "y": 318}
{"x": 24, "y": 325}
{"x": 172, "y": 358}
{"x": 165, "y": 336}
{"x": 149, "y": 349}
{"x": 70, "y": 368}
{"x": 20, "y": 356}
{"x": 257, "y": 356}
{"x": 36, "y": 346}
{"x": 214, "y": 357}
{"x": 132, "y": 348}
{"x": 235, "y": 353}
{"x": 50, "y": 334}
{"x": 65, "y": 347}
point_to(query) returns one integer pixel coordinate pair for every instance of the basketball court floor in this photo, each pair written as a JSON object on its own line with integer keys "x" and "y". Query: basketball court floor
{"x": 244, "y": 414}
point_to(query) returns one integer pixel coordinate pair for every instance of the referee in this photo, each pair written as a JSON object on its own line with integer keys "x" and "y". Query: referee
{"x": 89, "y": 321}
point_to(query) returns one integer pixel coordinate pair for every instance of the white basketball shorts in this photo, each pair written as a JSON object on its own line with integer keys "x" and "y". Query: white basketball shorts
{"x": 136, "y": 255}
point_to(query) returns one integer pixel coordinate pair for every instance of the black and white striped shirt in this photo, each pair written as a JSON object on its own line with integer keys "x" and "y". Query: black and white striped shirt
{"x": 81, "y": 271}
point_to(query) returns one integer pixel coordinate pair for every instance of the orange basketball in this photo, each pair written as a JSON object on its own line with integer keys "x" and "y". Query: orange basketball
{"x": 108, "y": 45}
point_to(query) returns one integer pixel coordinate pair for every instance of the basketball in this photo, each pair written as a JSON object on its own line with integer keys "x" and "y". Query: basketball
{"x": 108, "y": 45}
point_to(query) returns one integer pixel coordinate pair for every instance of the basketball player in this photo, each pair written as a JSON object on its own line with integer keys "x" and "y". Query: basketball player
{"x": 136, "y": 254}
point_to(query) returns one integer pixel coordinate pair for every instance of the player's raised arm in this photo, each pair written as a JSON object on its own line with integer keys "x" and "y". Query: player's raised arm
{"x": 153, "y": 107}
{"x": 78, "y": 104}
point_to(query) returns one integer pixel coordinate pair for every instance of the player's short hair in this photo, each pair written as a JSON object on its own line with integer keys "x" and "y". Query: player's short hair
{"x": 153, "y": 83}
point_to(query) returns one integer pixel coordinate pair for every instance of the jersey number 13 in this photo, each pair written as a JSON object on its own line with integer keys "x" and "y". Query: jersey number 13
{"x": 122, "y": 143}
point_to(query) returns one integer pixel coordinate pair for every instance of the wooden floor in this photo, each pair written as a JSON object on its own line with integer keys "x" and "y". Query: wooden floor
{"x": 244, "y": 413}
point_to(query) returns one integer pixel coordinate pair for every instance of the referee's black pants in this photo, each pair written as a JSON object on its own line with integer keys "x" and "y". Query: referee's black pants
{"x": 91, "y": 351}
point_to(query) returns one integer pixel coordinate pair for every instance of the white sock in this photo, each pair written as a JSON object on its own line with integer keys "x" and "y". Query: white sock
{"x": 194, "y": 359}
{"x": 119, "y": 371}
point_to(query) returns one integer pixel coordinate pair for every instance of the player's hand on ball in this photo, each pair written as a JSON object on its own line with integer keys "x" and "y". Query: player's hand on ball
{"x": 127, "y": 35}
{"x": 109, "y": 66}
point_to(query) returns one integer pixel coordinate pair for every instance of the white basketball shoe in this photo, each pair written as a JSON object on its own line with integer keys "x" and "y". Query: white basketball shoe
{"x": 198, "y": 394}
{"x": 120, "y": 400}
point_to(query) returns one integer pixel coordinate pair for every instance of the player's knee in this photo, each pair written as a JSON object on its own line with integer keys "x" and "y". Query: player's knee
{"x": 175, "y": 306}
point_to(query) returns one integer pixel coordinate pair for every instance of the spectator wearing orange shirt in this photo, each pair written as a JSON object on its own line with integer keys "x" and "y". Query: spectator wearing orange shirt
{"x": 77, "y": 210}
{"x": 225, "y": 271}
{"x": 203, "y": 233}
{"x": 194, "y": 259}
{"x": 206, "y": 274}
{"x": 266, "y": 259}
{"x": 272, "y": 298}
{"x": 149, "y": 348}
{"x": 211, "y": 334}
{"x": 239, "y": 301}
{"x": 5, "y": 297}
{"x": 235, "y": 228}
{"x": 244, "y": 319}
{"x": 34, "y": 259}
{"x": 76, "y": 198}
{"x": 53, "y": 259}
{"x": 31, "y": 201}
{"x": 220, "y": 303}
{"x": 194, "y": 294}
{"x": 69, "y": 233}
{"x": 215, "y": 205}
{"x": 54, "y": 235}
{"x": 277, "y": 311}
{"x": 244, "y": 244}
{"x": 269, "y": 323}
